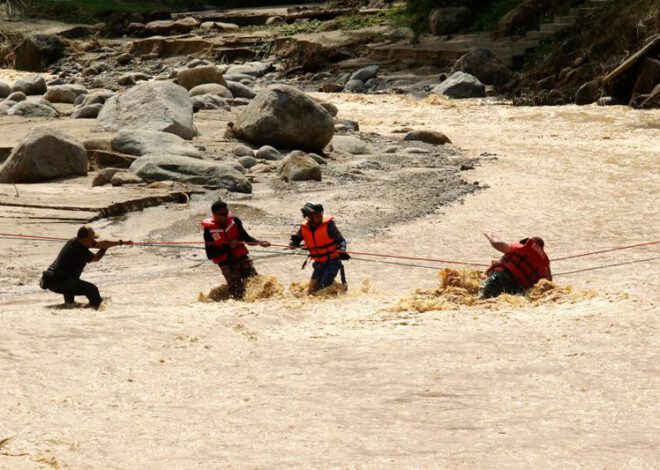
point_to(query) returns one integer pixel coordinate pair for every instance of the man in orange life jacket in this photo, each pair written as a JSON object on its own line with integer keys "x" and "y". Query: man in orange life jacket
{"x": 326, "y": 245}
{"x": 225, "y": 240}
{"x": 523, "y": 265}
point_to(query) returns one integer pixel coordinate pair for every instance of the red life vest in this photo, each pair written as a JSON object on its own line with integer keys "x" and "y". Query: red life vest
{"x": 321, "y": 246}
{"x": 222, "y": 236}
{"x": 526, "y": 264}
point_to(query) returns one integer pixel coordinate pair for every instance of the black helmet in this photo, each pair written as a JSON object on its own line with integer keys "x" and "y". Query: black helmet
{"x": 311, "y": 208}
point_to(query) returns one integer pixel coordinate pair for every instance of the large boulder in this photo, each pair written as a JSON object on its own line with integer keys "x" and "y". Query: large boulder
{"x": 448, "y": 20}
{"x": 461, "y": 85}
{"x": 520, "y": 18}
{"x": 483, "y": 64}
{"x": 190, "y": 170}
{"x": 211, "y": 89}
{"x": 43, "y": 154}
{"x": 285, "y": 117}
{"x": 32, "y": 85}
{"x": 37, "y": 51}
{"x": 140, "y": 142}
{"x": 157, "y": 106}
{"x": 30, "y": 108}
{"x": 298, "y": 166}
{"x": 5, "y": 90}
{"x": 190, "y": 78}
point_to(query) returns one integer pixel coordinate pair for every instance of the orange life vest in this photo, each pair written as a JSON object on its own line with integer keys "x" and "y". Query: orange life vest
{"x": 223, "y": 236}
{"x": 527, "y": 264}
{"x": 321, "y": 246}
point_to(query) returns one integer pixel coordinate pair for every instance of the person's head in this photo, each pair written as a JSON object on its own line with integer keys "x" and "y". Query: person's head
{"x": 220, "y": 211}
{"x": 539, "y": 241}
{"x": 313, "y": 211}
{"x": 86, "y": 235}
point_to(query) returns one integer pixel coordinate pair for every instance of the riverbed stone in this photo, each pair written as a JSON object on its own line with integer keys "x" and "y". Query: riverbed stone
{"x": 285, "y": 117}
{"x": 43, "y": 154}
{"x": 190, "y": 170}
{"x": 211, "y": 89}
{"x": 298, "y": 166}
{"x": 429, "y": 137}
{"x": 461, "y": 85}
{"x": 37, "y": 51}
{"x": 140, "y": 142}
{"x": 91, "y": 111}
{"x": 157, "y": 106}
{"x": 190, "y": 78}
{"x": 32, "y": 85}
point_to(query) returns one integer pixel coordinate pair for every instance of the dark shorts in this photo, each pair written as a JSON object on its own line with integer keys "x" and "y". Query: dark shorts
{"x": 500, "y": 282}
{"x": 325, "y": 273}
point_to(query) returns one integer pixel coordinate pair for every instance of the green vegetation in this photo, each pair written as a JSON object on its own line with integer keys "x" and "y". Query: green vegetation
{"x": 395, "y": 16}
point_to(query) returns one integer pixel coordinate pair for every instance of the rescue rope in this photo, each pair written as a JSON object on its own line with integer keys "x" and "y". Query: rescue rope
{"x": 594, "y": 268}
{"x": 606, "y": 250}
{"x": 194, "y": 245}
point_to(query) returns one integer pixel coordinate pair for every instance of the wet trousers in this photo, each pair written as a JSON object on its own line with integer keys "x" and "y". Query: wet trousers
{"x": 73, "y": 287}
{"x": 236, "y": 273}
{"x": 500, "y": 282}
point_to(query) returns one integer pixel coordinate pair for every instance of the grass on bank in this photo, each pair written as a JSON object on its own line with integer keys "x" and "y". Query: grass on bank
{"x": 395, "y": 16}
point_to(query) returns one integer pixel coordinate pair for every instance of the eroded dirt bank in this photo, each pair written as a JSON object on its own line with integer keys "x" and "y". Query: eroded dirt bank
{"x": 159, "y": 379}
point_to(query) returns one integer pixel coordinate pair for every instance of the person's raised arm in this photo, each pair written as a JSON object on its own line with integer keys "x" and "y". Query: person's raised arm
{"x": 500, "y": 246}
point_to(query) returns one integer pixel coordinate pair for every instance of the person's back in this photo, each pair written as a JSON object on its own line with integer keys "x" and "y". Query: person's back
{"x": 71, "y": 261}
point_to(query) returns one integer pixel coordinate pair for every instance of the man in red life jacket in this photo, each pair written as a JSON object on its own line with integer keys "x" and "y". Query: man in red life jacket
{"x": 524, "y": 263}
{"x": 225, "y": 240}
{"x": 326, "y": 246}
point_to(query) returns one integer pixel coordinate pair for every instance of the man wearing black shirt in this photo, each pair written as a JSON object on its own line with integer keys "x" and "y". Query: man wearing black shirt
{"x": 63, "y": 276}
{"x": 226, "y": 241}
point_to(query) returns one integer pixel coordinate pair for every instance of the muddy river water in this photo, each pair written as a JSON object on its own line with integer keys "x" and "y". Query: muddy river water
{"x": 158, "y": 379}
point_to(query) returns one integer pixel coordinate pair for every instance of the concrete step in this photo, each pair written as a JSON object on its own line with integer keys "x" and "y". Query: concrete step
{"x": 539, "y": 35}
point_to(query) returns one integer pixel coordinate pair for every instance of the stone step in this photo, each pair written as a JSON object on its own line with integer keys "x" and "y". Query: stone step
{"x": 583, "y": 11}
{"x": 569, "y": 19}
{"x": 521, "y": 47}
{"x": 597, "y": 3}
{"x": 539, "y": 35}
{"x": 554, "y": 27}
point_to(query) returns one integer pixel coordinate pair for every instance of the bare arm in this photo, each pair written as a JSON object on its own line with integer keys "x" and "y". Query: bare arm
{"x": 498, "y": 245}
{"x": 104, "y": 245}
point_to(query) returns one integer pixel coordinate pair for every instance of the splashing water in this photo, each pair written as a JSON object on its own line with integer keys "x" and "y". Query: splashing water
{"x": 461, "y": 288}
{"x": 256, "y": 288}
